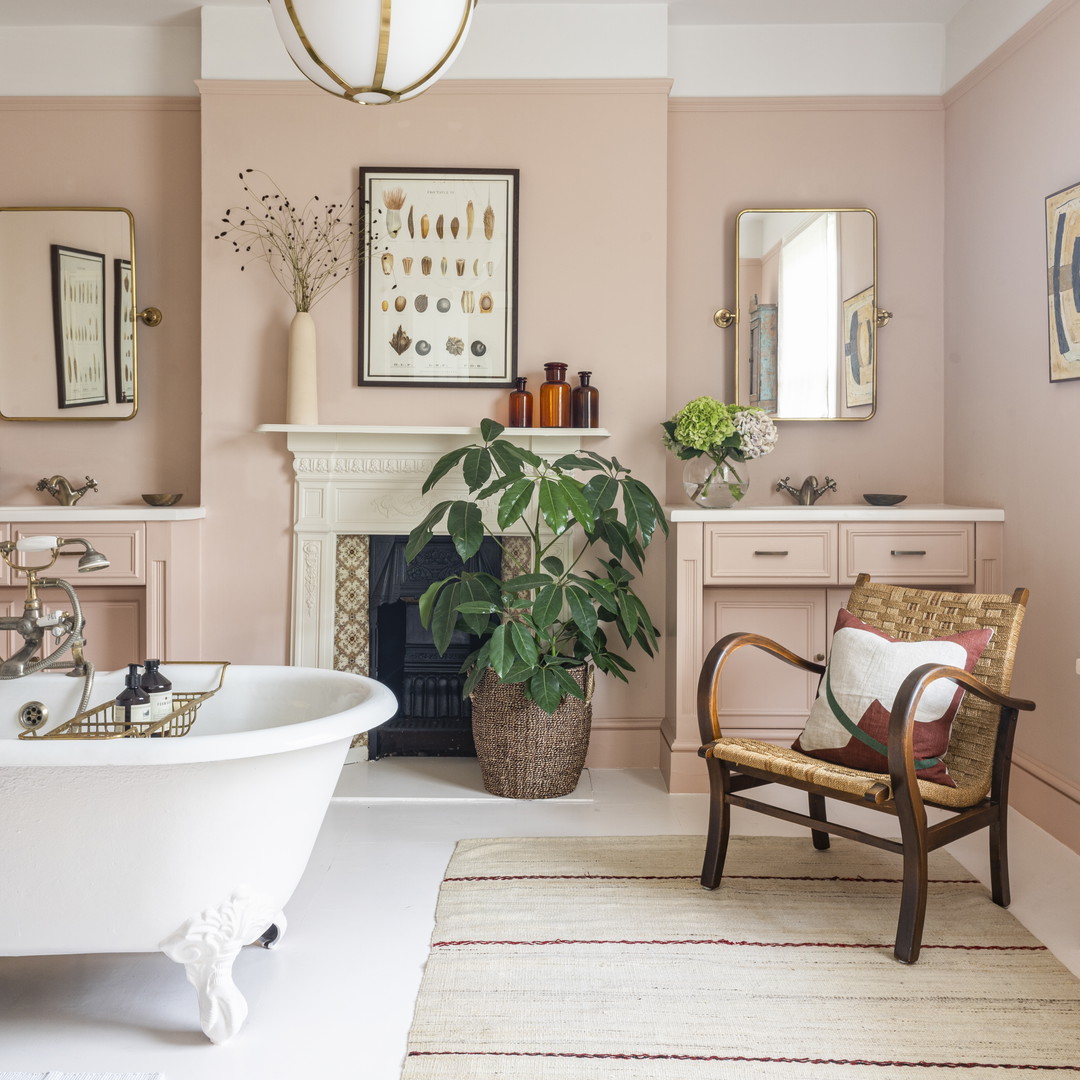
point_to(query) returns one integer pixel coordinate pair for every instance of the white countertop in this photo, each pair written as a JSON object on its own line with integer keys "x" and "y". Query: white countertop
{"x": 826, "y": 511}
{"x": 92, "y": 512}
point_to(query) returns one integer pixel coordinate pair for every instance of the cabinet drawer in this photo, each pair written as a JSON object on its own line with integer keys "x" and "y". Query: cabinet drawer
{"x": 753, "y": 554}
{"x": 122, "y": 542}
{"x": 917, "y": 554}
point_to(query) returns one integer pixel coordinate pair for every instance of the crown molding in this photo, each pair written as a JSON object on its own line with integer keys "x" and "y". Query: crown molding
{"x": 73, "y": 103}
{"x": 854, "y": 103}
{"x": 448, "y": 87}
{"x": 998, "y": 57}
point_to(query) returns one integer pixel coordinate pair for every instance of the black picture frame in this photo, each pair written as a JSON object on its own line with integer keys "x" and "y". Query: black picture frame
{"x": 438, "y": 284}
{"x": 78, "y": 282}
{"x": 123, "y": 332}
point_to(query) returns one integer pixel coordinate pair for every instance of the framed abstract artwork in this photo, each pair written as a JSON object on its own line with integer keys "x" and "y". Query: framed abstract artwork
{"x": 438, "y": 285}
{"x": 1063, "y": 282}
{"x": 78, "y": 280}
{"x": 858, "y": 340}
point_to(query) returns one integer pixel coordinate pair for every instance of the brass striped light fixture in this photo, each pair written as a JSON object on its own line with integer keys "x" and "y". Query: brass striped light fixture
{"x": 373, "y": 51}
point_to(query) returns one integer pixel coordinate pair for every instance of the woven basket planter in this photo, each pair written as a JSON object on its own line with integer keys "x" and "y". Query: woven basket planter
{"x": 523, "y": 752}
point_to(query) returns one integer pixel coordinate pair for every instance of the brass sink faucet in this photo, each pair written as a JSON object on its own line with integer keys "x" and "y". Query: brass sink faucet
{"x": 809, "y": 493}
{"x": 59, "y": 487}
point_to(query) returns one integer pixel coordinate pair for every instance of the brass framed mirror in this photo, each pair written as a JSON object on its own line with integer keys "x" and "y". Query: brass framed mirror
{"x": 68, "y": 347}
{"x": 806, "y": 314}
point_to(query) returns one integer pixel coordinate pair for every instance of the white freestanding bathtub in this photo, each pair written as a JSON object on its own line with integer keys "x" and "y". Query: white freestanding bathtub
{"x": 192, "y": 845}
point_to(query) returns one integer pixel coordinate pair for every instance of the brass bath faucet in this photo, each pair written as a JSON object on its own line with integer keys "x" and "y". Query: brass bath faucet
{"x": 809, "y": 493}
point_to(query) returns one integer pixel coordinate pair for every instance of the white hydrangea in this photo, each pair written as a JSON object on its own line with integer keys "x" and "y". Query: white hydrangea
{"x": 757, "y": 432}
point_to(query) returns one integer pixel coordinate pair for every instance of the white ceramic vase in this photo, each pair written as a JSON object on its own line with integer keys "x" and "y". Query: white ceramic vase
{"x": 302, "y": 401}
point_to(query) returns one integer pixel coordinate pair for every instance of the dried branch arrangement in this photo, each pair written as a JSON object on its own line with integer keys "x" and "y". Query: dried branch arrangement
{"x": 308, "y": 249}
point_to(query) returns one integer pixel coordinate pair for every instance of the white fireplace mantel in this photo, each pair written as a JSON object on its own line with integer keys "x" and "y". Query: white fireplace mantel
{"x": 367, "y": 480}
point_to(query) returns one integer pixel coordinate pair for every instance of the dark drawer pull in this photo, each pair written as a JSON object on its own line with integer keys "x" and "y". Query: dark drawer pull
{"x": 770, "y": 552}
{"x": 907, "y": 552}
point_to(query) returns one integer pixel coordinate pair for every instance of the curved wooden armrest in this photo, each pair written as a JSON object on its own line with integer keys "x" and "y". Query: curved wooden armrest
{"x": 708, "y": 720}
{"x": 901, "y": 737}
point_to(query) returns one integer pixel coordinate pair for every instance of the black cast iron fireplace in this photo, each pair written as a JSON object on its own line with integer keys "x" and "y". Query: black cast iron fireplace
{"x": 432, "y": 718}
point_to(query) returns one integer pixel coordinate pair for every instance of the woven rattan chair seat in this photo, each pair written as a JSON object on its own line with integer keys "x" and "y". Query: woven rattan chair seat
{"x": 790, "y": 763}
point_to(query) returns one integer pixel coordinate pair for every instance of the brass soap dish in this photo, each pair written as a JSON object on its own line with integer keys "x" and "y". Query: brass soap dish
{"x": 160, "y": 499}
{"x": 884, "y": 500}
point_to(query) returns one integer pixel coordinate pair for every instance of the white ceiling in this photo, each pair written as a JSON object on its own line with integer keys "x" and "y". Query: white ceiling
{"x": 680, "y": 12}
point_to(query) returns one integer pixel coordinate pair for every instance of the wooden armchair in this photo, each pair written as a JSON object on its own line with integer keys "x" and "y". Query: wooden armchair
{"x": 979, "y": 751}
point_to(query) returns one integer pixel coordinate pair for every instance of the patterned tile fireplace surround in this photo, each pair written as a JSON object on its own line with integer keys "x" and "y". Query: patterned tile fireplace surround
{"x": 352, "y": 483}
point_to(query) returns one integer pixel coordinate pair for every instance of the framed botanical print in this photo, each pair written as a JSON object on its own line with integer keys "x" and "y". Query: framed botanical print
{"x": 438, "y": 285}
{"x": 1063, "y": 282}
{"x": 858, "y": 340}
{"x": 78, "y": 280}
{"x": 123, "y": 332}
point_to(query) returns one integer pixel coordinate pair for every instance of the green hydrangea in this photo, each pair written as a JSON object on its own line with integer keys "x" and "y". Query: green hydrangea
{"x": 703, "y": 423}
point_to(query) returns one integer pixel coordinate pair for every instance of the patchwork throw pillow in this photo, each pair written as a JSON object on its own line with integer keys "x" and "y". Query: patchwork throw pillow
{"x": 849, "y": 722}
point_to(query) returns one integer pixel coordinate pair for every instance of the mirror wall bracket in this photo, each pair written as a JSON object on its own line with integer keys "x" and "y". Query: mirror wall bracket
{"x": 724, "y": 318}
{"x": 882, "y": 316}
{"x": 152, "y": 316}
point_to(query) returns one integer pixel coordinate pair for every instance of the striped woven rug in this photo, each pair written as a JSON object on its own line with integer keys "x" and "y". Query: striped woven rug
{"x": 575, "y": 958}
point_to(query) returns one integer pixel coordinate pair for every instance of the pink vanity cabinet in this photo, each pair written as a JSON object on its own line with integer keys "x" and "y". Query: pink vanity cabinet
{"x": 144, "y": 604}
{"x": 784, "y": 572}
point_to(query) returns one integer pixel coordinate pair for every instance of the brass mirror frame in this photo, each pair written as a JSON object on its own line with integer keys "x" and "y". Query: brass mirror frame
{"x": 151, "y": 317}
{"x": 725, "y": 318}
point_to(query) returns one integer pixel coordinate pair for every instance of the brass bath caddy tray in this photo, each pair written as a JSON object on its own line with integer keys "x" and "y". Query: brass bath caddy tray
{"x": 98, "y": 723}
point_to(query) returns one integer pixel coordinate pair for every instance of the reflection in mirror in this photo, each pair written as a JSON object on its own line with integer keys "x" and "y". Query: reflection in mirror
{"x": 67, "y": 314}
{"x": 805, "y": 296}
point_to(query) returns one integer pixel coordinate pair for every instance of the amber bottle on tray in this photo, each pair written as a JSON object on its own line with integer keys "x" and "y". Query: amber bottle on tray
{"x": 555, "y": 397}
{"x": 521, "y": 405}
{"x": 585, "y": 403}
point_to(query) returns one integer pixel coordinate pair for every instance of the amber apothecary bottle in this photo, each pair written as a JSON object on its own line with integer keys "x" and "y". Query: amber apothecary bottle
{"x": 585, "y": 403}
{"x": 555, "y": 397}
{"x": 521, "y": 403}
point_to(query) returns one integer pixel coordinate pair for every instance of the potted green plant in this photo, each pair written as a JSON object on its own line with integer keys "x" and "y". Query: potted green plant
{"x": 543, "y": 630}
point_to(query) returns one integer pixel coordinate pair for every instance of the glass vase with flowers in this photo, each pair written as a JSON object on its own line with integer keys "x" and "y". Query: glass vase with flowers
{"x": 716, "y": 440}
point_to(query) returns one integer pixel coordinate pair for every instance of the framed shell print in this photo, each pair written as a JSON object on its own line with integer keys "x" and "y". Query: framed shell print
{"x": 1063, "y": 282}
{"x": 438, "y": 284}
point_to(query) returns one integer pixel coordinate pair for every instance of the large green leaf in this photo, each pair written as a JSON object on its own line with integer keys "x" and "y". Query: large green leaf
{"x": 427, "y": 600}
{"x": 466, "y": 526}
{"x": 524, "y": 644}
{"x": 515, "y": 501}
{"x": 500, "y": 650}
{"x": 547, "y": 606}
{"x": 423, "y": 532}
{"x": 636, "y": 494}
{"x": 546, "y": 689}
{"x": 553, "y": 565}
{"x": 526, "y": 583}
{"x": 513, "y": 459}
{"x": 646, "y": 496}
{"x": 476, "y": 603}
{"x": 580, "y": 507}
{"x": 601, "y": 492}
{"x": 444, "y": 616}
{"x": 554, "y": 506}
{"x": 496, "y": 485}
{"x": 583, "y": 610}
{"x": 476, "y": 467}
{"x": 490, "y": 429}
{"x": 577, "y": 461}
{"x": 443, "y": 466}
{"x": 567, "y": 683}
{"x": 603, "y": 596}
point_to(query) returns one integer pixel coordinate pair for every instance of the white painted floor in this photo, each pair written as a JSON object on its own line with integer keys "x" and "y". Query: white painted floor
{"x": 335, "y": 1000}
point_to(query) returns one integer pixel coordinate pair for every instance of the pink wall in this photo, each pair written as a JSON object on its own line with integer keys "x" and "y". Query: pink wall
{"x": 591, "y": 292}
{"x": 726, "y": 155}
{"x": 1010, "y": 439}
{"x": 143, "y": 154}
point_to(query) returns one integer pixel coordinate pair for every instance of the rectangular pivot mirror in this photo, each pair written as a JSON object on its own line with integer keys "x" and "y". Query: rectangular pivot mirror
{"x": 67, "y": 313}
{"x": 806, "y": 288}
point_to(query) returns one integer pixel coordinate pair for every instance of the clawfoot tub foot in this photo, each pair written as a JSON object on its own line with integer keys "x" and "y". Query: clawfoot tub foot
{"x": 208, "y": 944}
{"x": 271, "y": 937}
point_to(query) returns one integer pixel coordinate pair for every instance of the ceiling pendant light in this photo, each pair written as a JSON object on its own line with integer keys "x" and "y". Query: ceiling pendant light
{"x": 373, "y": 51}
